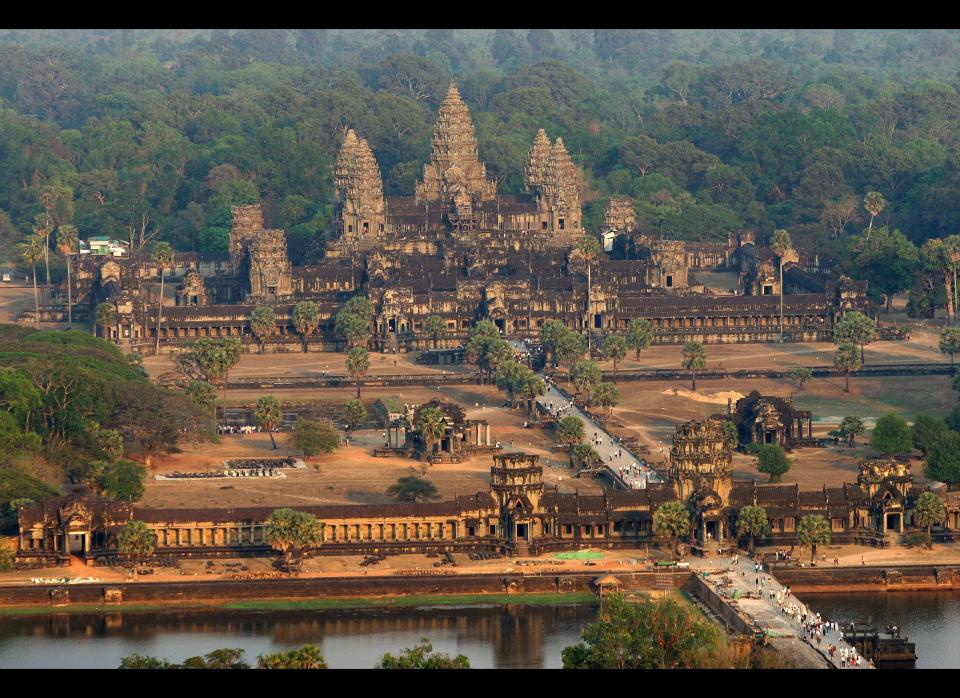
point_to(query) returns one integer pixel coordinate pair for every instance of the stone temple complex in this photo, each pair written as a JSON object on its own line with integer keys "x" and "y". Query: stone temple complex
{"x": 459, "y": 249}
{"x": 519, "y": 515}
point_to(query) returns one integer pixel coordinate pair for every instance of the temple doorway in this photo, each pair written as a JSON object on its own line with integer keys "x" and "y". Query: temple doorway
{"x": 522, "y": 531}
{"x": 894, "y": 523}
{"x": 75, "y": 542}
{"x": 501, "y": 325}
{"x": 713, "y": 530}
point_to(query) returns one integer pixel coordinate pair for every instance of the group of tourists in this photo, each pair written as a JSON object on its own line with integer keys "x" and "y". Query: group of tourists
{"x": 236, "y": 429}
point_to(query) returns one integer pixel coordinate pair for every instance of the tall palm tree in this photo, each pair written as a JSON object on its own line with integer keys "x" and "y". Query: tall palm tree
{"x": 694, "y": 358}
{"x": 269, "y": 415}
{"x": 32, "y": 253}
{"x": 781, "y": 244}
{"x": 431, "y": 427}
{"x": 590, "y": 248}
{"x": 67, "y": 241}
{"x": 106, "y": 315}
{"x": 358, "y": 363}
{"x": 163, "y": 258}
{"x": 42, "y": 230}
{"x": 874, "y": 203}
{"x": 306, "y": 317}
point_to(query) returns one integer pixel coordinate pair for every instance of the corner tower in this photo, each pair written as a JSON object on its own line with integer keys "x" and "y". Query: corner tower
{"x": 359, "y": 189}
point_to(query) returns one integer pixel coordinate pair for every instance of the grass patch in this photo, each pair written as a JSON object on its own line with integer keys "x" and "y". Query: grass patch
{"x": 579, "y": 555}
{"x": 311, "y": 604}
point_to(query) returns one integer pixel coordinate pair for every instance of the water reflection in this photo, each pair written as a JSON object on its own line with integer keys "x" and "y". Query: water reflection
{"x": 502, "y": 636}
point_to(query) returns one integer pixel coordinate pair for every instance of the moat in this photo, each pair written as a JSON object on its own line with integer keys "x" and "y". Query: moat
{"x": 491, "y": 636}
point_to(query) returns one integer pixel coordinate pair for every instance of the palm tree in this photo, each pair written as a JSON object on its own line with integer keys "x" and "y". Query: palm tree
{"x": 268, "y": 415}
{"x": 639, "y": 335}
{"x": 589, "y": 247}
{"x": 435, "y": 327}
{"x": 163, "y": 258}
{"x": 752, "y": 522}
{"x": 431, "y": 426}
{"x": 813, "y": 530}
{"x": 67, "y": 240}
{"x": 32, "y": 253}
{"x": 106, "y": 315}
{"x": 874, "y": 203}
{"x": 306, "y": 317}
{"x": 358, "y": 363}
{"x": 781, "y": 245}
{"x": 42, "y": 230}
{"x": 694, "y": 358}
{"x": 263, "y": 321}
{"x": 847, "y": 359}
{"x": 672, "y": 519}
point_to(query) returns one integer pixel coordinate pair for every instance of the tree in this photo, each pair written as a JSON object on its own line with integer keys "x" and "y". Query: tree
{"x": 436, "y": 327}
{"x": 68, "y": 241}
{"x": 800, "y": 375}
{"x": 694, "y": 358}
{"x": 570, "y": 430}
{"x": 605, "y": 395}
{"x": 950, "y": 342}
{"x": 887, "y": 261}
{"x": 306, "y": 657}
{"x": 874, "y": 203}
{"x": 225, "y": 658}
{"x": 202, "y": 394}
{"x": 570, "y": 349}
{"x": 306, "y": 318}
{"x": 140, "y": 661}
{"x": 550, "y": 335}
{"x": 263, "y": 323}
{"x": 661, "y": 633}
{"x": 781, "y": 244}
{"x": 354, "y": 413}
{"x": 855, "y": 328}
{"x": 358, "y": 363}
{"x": 639, "y": 335}
{"x": 943, "y": 256}
{"x": 163, "y": 257}
{"x": 315, "y": 436}
{"x": 926, "y": 430}
{"x": 752, "y": 522}
{"x": 106, "y": 315}
{"x": 32, "y": 252}
{"x": 210, "y": 359}
{"x": 813, "y": 530}
{"x": 352, "y": 328}
{"x": 672, "y": 519}
{"x": 943, "y": 460}
{"x": 431, "y": 426}
{"x": 850, "y": 428}
{"x": 891, "y": 435}
{"x": 123, "y": 481}
{"x": 268, "y": 415}
{"x": 585, "y": 456}
{"x": 847, "y": 359}
{"x": 423, "y": 657}
{"x": 731, "y": 435}
{"x": 293, "y": 533}
{"x": 929, "y": 510}
{"x": 413, "y": 489}
{"x": 136, "y": 542}
{"x": 584, "y": 375}
{"x": 772, "y": 460}
{"x": 614, "y": 349}
{"x": 42, "y": 230}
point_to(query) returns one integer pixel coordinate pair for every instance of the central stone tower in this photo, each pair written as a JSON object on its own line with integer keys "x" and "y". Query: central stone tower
{"x": 455, "y": 167}
{"x": 359, "y": 189}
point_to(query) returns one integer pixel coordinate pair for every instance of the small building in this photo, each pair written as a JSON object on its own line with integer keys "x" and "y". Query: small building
{"x": 765, "y": 419}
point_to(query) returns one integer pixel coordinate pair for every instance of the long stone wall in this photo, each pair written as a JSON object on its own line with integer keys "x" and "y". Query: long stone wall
{"x": 872, "y": 578}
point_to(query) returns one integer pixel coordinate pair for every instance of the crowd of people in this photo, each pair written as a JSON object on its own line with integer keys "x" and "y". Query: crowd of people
{"x": 232, "y": 429}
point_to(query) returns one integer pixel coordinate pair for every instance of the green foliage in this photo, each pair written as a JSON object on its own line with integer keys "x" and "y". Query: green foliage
{"x": 305, "y": 657}
{"x": 352, "y": 327}
{"x": 225, "y": 658}
{"x": 639, "y": 335}
{"x": 263, "y": 323}
{"x": 140, "y": 661}
{"x": 847, "y": 359}
{"x": 855, "y": 328}
{"x": 615, "y": 349}
{"x": 210, "y": 359}
{"x": 950, "y": 341}
{"x": 605, "y": 395}
{"x": 358, "y": 363}
{"x": 752, "y": 523}
{"x": 813, "y": 530}
{"x": 731, "y": 435}
{"x": 6, "y": 559}
{"x": 136, "y": 541}
{"x": 772, "y": 460}
{"x": 570, "y": 430}
{"x": 892, "y": 435}
{"x": 585, "y": 375}
{"x": 943, "y": 459}
{"x": 354, "y": 413}
{"x": 306, "y": 318}
{"x": 929, "y": 511}
{"x": 927, "y": 429}
{"x": 918, "y": 539}
{"x": 268, "y": 415}
{"x": 431, "y": 426}
{"x": 584, "y": 456}
{"x": 570, "y": 349}
{"x": 850, "y": 428}
{"x": 672, "y": 519}
{"x": 694, "y": 358}
{"x": 202, "y": 394}
{"x": 435, "y": 326}
{"x": 422, "y": 657}
{"x": 124, "y": 480}
{"x": 550, "y": 335}
{"x": 293, "y": 533}
{"x": 800, "y": 375}
{"x": 652, "y": 634}
{"x": 413, "y": 489}
{"x": 315, "y": 436}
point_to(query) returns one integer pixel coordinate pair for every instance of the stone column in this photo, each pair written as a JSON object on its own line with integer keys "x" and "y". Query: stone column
{"x": 86, "y": 543}
{"x": 488, "y": 434}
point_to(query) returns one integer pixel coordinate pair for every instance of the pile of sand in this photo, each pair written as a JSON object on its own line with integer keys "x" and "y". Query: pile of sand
{"x": 714, "y": 398}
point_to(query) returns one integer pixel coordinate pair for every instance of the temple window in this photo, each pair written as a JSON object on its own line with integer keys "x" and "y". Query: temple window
{"x": 669, "y": 281}
{"x": 568, "y": 529}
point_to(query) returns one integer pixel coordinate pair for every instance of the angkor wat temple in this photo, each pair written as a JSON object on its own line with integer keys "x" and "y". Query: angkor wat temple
{"x": 460, "y": 250}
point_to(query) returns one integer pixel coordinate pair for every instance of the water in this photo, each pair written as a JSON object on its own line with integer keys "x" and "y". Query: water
{"x": 931, "y": 620}
{"x": 491, "y": 636}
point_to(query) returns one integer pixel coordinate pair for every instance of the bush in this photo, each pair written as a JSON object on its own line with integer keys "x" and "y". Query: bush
{"x": 919, "y": 539}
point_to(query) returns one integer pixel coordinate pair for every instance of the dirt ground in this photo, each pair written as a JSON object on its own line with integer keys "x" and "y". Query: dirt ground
{"x": 312, "y": 364}
{"x": 352, "y": 474}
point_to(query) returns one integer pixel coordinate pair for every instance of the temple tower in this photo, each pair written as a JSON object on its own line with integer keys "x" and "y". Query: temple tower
{"x": 271, "y": 278}
{"x": 359, "y": 188}
{"x": 247, "y": 223}
{"x": 516, "y": 475}
{"x": 619, "y": 214}
{"x": 454, "y": 166}
{"x": 701, "y": 460}
{"x": 551, "y": 175}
